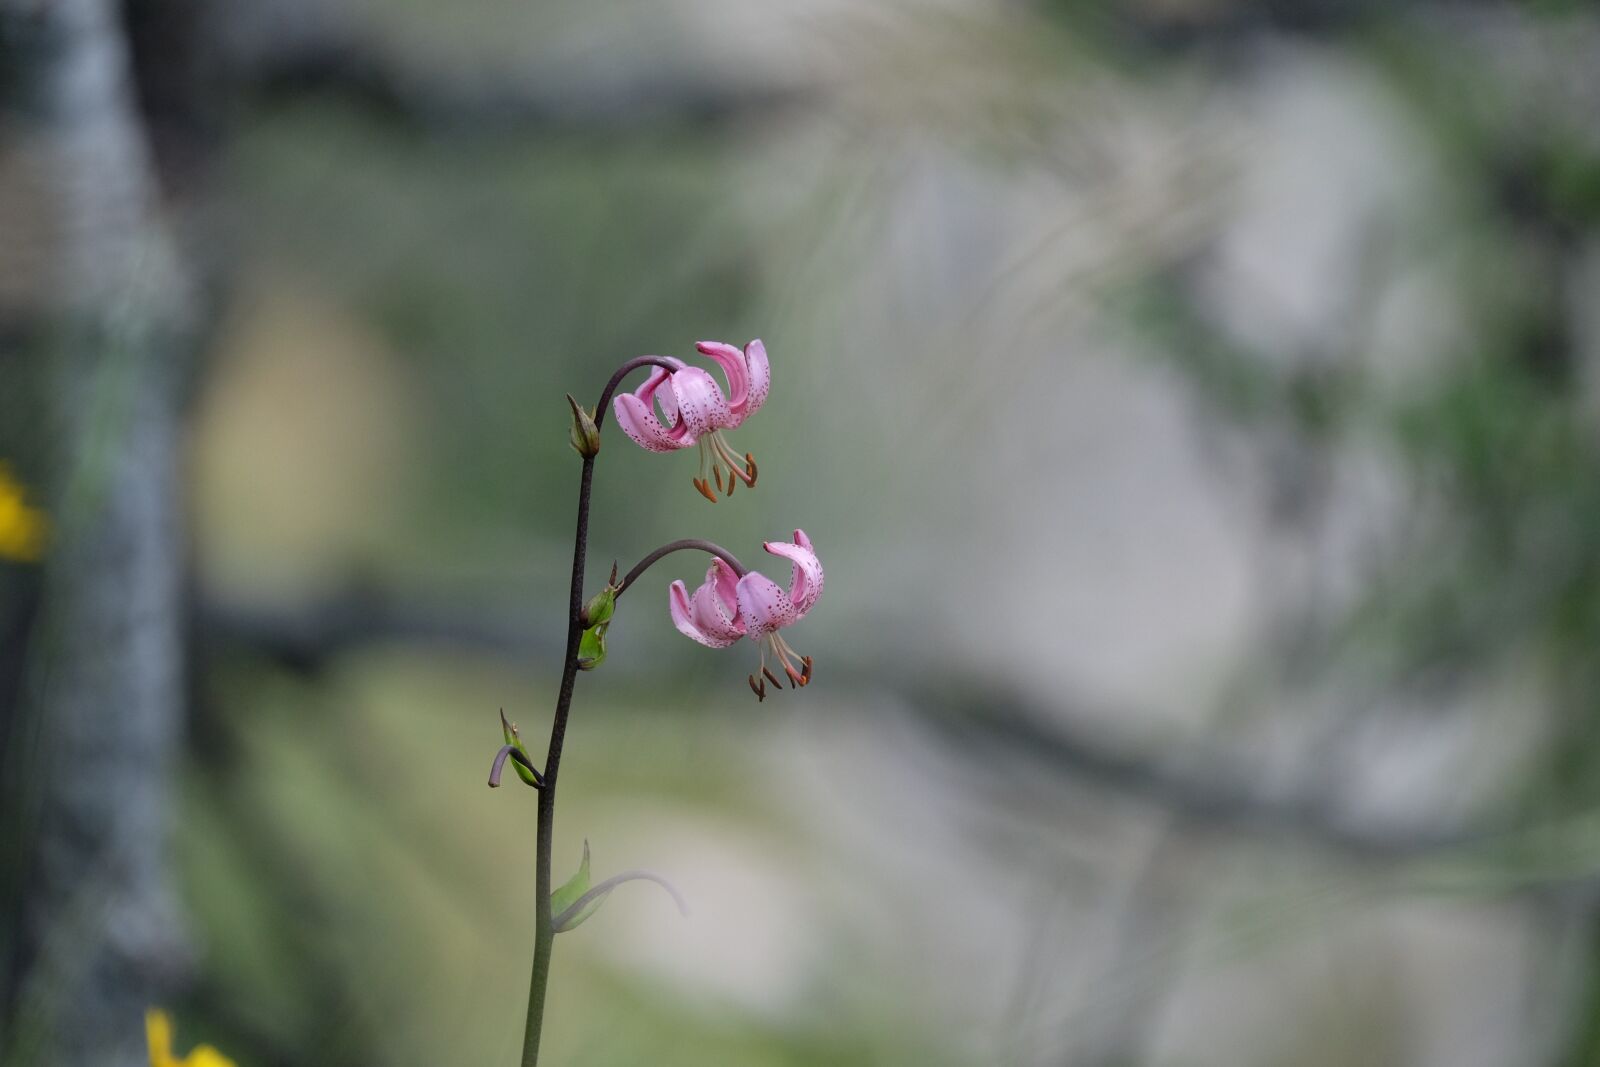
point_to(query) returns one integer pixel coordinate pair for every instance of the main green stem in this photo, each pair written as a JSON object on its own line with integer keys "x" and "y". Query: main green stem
{"x": 544, "y": 934}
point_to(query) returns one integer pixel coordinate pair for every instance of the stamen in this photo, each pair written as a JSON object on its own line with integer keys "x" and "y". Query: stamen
{"x": 718, "y": 472}
{"x": 773, "y": 677}
{"x": 705, "y": 490}
{"x": 727, "y": 455}
{"x": 750, "y": 468}
{"x": 806, "y": 674}
{"x": 759, "y": 690}
{"x": 794, "y": 676}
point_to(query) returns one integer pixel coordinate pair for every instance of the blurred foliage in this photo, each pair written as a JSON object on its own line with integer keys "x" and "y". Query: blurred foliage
{"x": 329, "y": 816}
{"x": 486, "y": 278}
{"x": 509, "y": 286}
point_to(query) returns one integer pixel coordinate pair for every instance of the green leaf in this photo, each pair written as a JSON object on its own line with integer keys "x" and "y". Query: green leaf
{"x": 587, "y": 903}
{"x": 600, "y": 607}
{"x": 592, "y": 648}
{"x": 564, "y": 922}
{"x": 576, "y": 886}
{"x": 526, "y": 771}
{"x": 515, "y": 741}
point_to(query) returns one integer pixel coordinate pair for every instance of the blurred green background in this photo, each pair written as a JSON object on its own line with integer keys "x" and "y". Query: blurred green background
{"x": 1194, "y": 404}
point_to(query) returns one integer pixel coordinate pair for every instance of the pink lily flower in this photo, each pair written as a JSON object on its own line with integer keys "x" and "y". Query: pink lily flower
{"x": 693, "y": 409}
{"x": 727, "y": 607}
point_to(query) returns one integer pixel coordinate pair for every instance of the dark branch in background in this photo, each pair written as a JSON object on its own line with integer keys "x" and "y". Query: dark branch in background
{"x": 306, "y": 638}
{"x": 1235, "y": 26}
{"x": 1002, "y": 727}
{"x": 986, "y": 723}
{"x": 457, "y": 104}
{"x": 293, "y": 53}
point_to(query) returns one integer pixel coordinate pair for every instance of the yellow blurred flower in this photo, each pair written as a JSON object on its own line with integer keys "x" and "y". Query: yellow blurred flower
{"x": 22, "y": 528}
{"x": 158, "y": 1030}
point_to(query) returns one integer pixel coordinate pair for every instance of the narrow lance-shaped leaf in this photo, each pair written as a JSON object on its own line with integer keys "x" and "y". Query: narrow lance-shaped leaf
{"x": 524, "y": 766}
{"x": 576, "y": 886}
{"x": 589, "y": 902}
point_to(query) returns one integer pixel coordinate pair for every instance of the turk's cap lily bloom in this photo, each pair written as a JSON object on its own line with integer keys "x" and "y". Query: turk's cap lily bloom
{"x": 727, "y": 607}
{"x": 686, "y": 406}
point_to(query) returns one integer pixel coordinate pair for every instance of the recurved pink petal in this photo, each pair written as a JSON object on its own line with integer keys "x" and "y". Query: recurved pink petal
{"x": 713, "y": 616}
{"x": 805, "y": 583}
{"x": 701, "y": 405}
{"x": 651, "y": 390}
{"x": 640, "y": 423}
{"x": 683, "y": 617}
{"x": 763, "y": 606}
{"x": 732, "y": 362}
{"x": 755, "y": 358}
{"x": 726, "y": 579}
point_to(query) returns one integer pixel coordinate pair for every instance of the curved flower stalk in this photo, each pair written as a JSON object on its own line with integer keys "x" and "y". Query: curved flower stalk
{"x": 685, "y": 405}
{"x": 728, "y": 606}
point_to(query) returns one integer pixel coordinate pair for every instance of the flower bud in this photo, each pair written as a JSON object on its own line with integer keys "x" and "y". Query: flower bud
{"x": 584, "y": 434}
